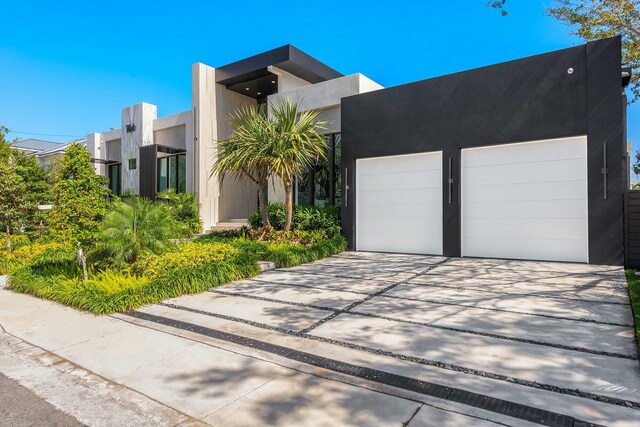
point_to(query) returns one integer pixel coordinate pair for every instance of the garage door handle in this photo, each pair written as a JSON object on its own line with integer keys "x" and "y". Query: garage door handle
{"x": 346, "y": 187}
{"x": 450, "y": 181}
{"x": 605, "y": 171}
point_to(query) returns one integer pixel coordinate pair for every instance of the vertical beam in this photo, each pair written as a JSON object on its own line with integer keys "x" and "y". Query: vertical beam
{"x": 451, "y": 233}
{"x": 605, "y": 128}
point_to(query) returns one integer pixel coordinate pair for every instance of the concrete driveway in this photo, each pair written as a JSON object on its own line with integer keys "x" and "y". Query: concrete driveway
{"x": 355, "y": 339}
{"x": 540, "y": 342}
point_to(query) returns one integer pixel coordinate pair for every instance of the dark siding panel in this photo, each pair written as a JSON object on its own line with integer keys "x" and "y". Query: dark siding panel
{"x": 524, "y": 100}
{"x": 148, "y": 172}
{"x": 605, "y": 125}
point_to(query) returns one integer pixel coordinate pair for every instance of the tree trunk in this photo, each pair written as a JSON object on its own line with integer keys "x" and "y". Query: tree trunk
{"x": 262, "y": 204}
{"x": 8, "y": 240}
{"x": 288, "y": 204}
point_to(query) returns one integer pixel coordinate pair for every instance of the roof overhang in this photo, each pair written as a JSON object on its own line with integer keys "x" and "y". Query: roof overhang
{"x": 255, "y": 70}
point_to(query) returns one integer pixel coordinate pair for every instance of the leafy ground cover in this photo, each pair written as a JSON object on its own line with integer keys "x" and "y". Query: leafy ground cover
{"x": 633, "y": 282}
{"x": 117, "y": 284}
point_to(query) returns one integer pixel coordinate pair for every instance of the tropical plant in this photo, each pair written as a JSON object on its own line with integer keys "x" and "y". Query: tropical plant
{"x": 306, "y": 218}
{"x": 244, "y": 155}
{"x": 80, "y": 197}
{"x": 184, "y": 208}
{"x": 137, "y": 226}
{"x": 297, "y": 146}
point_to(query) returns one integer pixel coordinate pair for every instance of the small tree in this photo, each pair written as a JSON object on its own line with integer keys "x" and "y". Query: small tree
{"x": 297, "y": 145}
{"x": 79, "y": 197}
{"x": 14, "y": 205}
{"x": 243, "y": 154}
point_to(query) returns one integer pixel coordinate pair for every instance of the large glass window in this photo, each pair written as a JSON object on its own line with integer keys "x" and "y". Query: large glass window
{"x": 172, "y": 173}
{"x": 115, "y": 178}
{"x": 320, "y": 186}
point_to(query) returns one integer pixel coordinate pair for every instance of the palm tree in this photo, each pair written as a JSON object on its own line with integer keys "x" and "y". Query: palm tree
{"x": 298, "y": 144}
{"x": 136, "y": 226}
{"x": 244, "y": 153}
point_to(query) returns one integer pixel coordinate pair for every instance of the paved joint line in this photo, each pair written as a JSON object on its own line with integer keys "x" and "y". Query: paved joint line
{"x": 338, "y": 311}
{"x": 351, "y": 306}
{"x": 548, "y": 316}
{"x": 475, "y": 289}
{"x": 414, "y": 359}
{"x": 495, "y": 405}
{"x": 322, "y": 288}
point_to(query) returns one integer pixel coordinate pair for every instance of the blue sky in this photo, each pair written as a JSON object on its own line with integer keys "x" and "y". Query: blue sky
{"x": 68, "y": 68}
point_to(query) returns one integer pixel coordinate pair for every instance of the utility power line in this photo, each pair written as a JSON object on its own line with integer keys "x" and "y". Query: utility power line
{"x": 46, "y": 134}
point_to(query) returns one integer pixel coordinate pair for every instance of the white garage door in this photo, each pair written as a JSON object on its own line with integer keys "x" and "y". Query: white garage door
{"x": 399, "y": 204}
{"x": 526, "y": 201}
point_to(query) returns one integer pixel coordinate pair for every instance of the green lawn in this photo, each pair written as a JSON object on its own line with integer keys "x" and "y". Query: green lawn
{"x": 634, "y": 295}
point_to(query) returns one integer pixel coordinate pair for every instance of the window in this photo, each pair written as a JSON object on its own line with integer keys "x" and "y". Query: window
{"x": 114, "y": 178}
{"x": 133, "y": 164}
{"x": 172, "y": 173}
{"x": 320, "y": 186}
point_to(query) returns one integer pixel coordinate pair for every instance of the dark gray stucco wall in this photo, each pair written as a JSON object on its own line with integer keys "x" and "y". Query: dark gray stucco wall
{"x": 523, "y": 100}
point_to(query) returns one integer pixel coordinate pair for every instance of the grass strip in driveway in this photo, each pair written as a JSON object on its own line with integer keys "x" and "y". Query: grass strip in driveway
{"x": 633, "y": 282}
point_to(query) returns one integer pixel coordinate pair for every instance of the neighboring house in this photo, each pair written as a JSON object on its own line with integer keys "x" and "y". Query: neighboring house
{"x": 526, "y": 159}
{"x": 47, "y": 152}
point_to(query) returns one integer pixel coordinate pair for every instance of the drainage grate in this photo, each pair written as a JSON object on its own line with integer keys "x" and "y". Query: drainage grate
{"x": 476, "y": 400}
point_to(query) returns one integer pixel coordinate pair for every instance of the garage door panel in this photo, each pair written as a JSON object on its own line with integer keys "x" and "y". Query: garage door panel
{"x": 402, "y": 212}
{"x": 528, "y": 191}
{"x": 524, "y": 209}
{"x": 500, "y": 228}
{"x": 539, "y": 151}
{"x": 395, "y": 164}
{"x": 554, "y": 171}
{"x": 419, "y": 227}
{"x": 400, "y": 181}
{"x": 393, "y": 244}
{"x": 526, "y": 201}
{"x": 401, "y": 196}
{"x": 564, "y": 250}
{"x": 399, "y": 204}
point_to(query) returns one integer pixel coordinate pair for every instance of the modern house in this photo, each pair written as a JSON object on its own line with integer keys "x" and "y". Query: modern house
{"x": 150, "y": 154}
{"x": 526, "y": 159}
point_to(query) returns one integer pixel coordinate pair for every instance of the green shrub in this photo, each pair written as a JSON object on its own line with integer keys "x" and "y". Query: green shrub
{"x": 294, "y": 237}
{"x": 120, "y": 290}
{"x": 184, "y": 208}
{"x": 187, "y": 256}
{"x": 306, "y": 218}
{"x": 32, "y": 254}
{"x": 17, "y": 240}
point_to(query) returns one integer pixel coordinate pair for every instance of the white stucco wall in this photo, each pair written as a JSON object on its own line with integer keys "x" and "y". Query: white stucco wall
{"x": 142, "y": 116}
{"x": 205, "y": 132}
{"x": 287, "y": 81}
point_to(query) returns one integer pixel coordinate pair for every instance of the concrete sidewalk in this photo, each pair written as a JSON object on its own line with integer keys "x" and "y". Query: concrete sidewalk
{"x": 174, "y": 380}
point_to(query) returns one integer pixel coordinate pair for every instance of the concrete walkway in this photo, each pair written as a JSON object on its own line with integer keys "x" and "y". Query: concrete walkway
{"x": 368, "y": 339}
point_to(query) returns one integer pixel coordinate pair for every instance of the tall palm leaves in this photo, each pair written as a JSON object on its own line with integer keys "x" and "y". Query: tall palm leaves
{"x": 243, "y": 153}
{"x": 299, "y": 143}
{"x": 282, "y": 141}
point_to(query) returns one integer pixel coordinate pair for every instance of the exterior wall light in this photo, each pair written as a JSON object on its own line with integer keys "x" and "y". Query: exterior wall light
{"x": 131, "y": 128}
